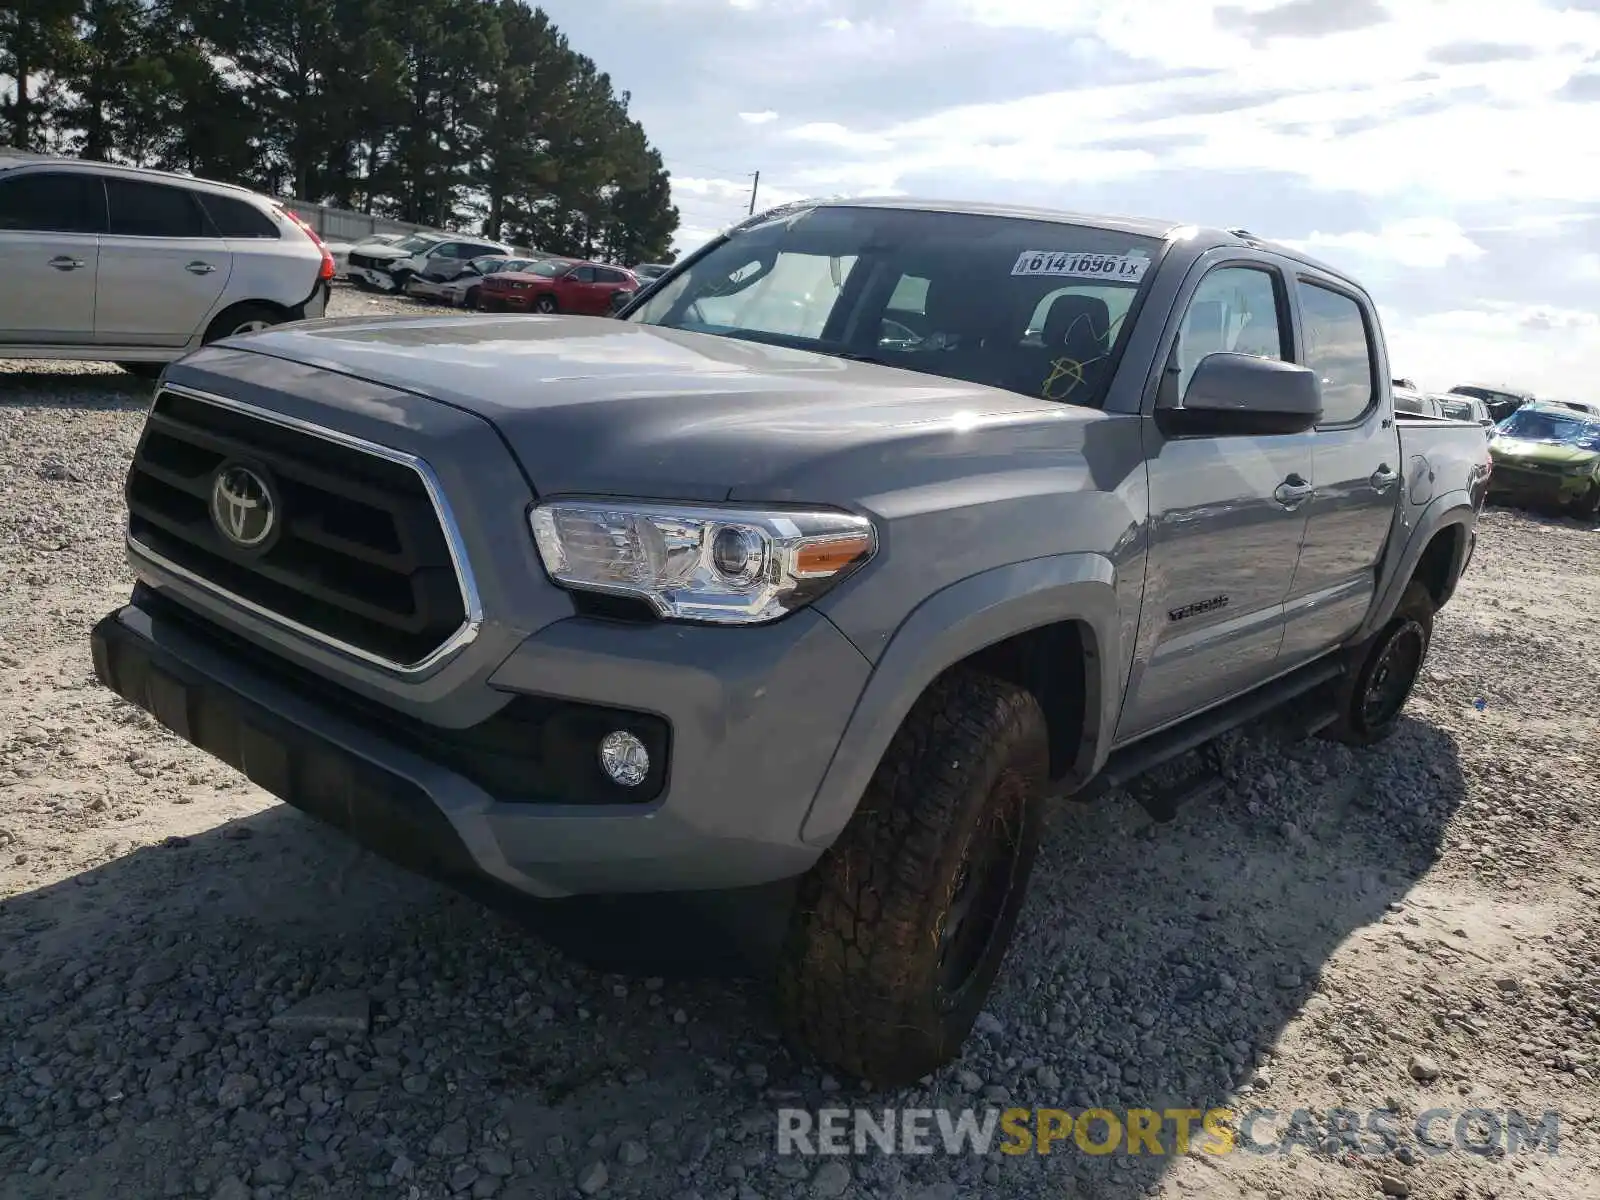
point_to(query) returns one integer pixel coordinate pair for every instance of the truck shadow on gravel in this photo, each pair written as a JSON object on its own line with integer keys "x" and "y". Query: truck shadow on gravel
{"x": 1155, "y": 966}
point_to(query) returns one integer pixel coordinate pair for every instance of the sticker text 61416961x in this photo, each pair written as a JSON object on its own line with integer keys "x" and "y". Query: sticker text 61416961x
{"x": 1114, "y": 268}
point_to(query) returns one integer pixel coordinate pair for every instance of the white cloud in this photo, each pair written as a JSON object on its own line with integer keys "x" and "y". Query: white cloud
{"x": 1546, "y": 350}
{"x": 1418, "y": 242}
{"x": 1458, "y": 169}
{"x": 828, "y": 133}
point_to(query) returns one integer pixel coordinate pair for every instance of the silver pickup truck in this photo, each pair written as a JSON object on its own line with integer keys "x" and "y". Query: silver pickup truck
{"x": 867, "y": 531}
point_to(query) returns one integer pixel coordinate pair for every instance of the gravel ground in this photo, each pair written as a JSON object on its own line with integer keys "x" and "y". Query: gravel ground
{"x": 203, "y": 993}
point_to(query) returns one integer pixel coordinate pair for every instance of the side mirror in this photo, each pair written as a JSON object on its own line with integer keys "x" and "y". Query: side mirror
{"x": 1241, "y": 394}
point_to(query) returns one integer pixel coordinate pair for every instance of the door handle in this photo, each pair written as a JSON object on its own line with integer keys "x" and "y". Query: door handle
{"x": 1292, "y": 492}
{"x": 63, "y": 262}
{"x": 199, "y": 268}
{"x": 1383, "y": 478}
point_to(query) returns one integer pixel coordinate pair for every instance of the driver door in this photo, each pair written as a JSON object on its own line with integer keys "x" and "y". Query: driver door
{"x": 1227, "y": 517}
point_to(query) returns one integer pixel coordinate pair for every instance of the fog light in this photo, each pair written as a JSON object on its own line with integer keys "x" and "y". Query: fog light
{"x": 624, "y": 758}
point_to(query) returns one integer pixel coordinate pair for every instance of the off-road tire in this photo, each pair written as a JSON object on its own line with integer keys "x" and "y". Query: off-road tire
{"x": 1412, "y": 619}
{"x": 859, "y": 979}
{"x": 232, "y": 320}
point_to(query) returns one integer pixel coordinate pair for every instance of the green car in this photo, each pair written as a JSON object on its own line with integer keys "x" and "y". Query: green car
{"x": 1548, "y": 454}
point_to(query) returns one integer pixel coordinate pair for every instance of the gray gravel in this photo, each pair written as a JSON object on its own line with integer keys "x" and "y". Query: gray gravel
{"x": 204, "y": 994}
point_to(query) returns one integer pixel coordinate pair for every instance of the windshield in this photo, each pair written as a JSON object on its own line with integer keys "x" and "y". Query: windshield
{"x": 1031, "y": 306}
{"x": 1541, "y": 426}
{"x": 548, "y": 269}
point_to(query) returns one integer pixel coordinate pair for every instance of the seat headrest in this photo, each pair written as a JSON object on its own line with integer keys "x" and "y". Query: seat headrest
{"x": 1078, "y": 321}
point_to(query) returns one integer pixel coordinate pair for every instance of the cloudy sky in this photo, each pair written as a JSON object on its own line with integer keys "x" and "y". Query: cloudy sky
{"x": 1447, "y": 151}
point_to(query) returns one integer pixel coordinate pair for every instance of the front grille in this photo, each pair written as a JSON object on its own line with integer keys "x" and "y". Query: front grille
{"x": 366, "y": 260}
{"x": 360, "y": 558}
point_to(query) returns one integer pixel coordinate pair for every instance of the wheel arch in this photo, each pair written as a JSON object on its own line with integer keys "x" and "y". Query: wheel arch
{"x": 220, "y": 320}
{"x": 1013, "y": 622}
{"x": 1436, "y": 554}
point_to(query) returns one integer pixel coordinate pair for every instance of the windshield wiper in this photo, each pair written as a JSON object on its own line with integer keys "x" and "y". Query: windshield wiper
{"x": 854, "y": 357}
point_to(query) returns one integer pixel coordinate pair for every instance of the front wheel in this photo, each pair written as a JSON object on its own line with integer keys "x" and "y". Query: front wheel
{"x": 1388, "y": 664}
{"x": 900, "y": 929}
{"x": 545, "y": 304}
{"x": 471, "y": 299}
{"x": 1587, "y": 505}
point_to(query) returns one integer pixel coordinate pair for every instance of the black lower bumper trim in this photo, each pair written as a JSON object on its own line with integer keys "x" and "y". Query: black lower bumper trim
{"x": 387, "y": 813}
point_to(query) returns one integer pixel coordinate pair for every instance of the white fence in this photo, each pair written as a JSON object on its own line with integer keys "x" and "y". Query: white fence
{"x": 342, "y": 225}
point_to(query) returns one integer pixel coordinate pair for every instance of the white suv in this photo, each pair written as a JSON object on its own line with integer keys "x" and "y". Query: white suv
{"x": 139, "y": 267}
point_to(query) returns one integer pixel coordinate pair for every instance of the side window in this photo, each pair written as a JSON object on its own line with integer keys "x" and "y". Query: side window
{"x": 447, "y": 250}
{"x": 1234, "y": 309}
{"x": 52, "y": 202}
{"x": 1339, "y": 351}
{"x": 612, "y": 276}
{"x": 140, "y": 209}
{"x": 235, "y": 218}
{"x": 584, "y": 274}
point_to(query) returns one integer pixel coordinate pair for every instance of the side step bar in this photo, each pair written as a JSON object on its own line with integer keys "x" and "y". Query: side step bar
{"x": 1126, "y": 765}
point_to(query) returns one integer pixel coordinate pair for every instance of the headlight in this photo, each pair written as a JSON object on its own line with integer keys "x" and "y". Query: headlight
{"x": 1586, "y": 467}
{"x": 725, "y": 565}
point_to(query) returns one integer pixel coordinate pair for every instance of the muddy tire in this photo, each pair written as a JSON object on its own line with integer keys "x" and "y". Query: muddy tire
{"x": 901, "y": 927}
{"x": 1374, "y": 695}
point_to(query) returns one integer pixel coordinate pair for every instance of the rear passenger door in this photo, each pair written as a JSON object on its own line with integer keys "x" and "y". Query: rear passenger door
{"x": 1226, "y": 515}
{"x": 1356, "y": 464}
{"x": 162, "y": 265}
{"x": 50, "y": 223}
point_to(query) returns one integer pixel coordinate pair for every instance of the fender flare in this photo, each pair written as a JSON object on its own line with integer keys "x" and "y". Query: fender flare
{"x": 1452, "y": 508}
{"x": 953, "y": 624}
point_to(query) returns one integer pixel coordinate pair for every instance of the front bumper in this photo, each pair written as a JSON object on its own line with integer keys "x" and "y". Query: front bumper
{"x": 1512, "y": 481}
{"x": 509, "y": 301}
{"x": 754, "y": 721}
{"x": 374, "y": 276}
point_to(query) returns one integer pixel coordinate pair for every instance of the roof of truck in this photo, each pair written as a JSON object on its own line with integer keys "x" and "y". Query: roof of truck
{"x": 1151, "y": 227}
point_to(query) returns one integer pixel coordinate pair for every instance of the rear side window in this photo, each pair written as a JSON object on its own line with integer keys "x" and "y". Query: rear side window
{"x": 234, "y": 218}
{"x": 52, "y": 202}
{"x": 1339, "y": 350}
{"x": 606, "y": 275}
{"x": 140, "y": 209}
{"x": 1457, "y": 410}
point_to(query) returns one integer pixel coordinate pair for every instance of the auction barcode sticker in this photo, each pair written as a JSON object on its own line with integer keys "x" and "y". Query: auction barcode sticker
{"x": 1123, "y": 268}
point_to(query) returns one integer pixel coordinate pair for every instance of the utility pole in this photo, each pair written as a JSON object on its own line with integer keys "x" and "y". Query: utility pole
{"x": 756, "y": 177}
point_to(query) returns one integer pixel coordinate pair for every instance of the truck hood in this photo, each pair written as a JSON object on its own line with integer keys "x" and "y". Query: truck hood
{"x": 599, "y": 406}
{"x": 1552, "y": 453}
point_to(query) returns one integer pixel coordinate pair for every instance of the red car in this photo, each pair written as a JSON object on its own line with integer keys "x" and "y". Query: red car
{"x": 557, "y": 285}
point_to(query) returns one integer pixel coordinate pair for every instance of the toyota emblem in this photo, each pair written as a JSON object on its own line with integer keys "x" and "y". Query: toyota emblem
{"x": 243, "y": 507}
